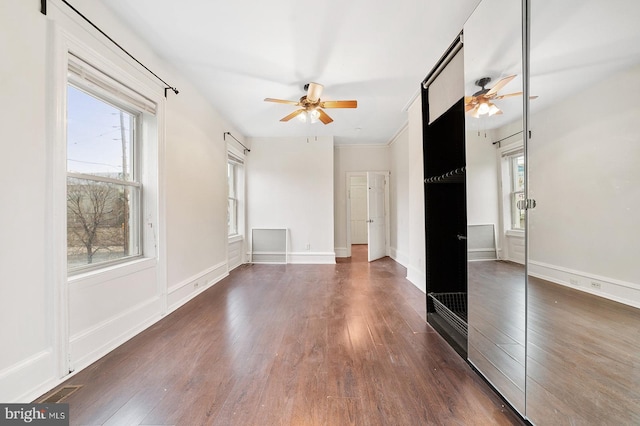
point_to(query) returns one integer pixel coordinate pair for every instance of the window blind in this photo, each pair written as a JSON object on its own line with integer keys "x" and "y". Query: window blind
{"x": 107, "y": 86}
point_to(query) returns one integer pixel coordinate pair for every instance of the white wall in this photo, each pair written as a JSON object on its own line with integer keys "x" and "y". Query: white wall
{"x": 416, "y": 272}
{"x": 106, "y": 308}
{"x": 352, "y": 158}
{"x": 399, "y": 194}
{"x": 290, "y": 185}
{"x": 584, "y": 175}
{"x": 482, "y": 179}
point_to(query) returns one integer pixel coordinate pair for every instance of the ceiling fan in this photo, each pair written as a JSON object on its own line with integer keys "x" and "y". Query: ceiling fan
{"x": 480, "y": 103}
{"x": 311, "y": 105}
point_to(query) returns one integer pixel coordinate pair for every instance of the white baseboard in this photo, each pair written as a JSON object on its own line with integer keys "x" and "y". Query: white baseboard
{"x": 312, "y": 258}
{"x": 417, "y": 277}
{"x": 342, "y": 252}
{"x": 25, "y": 381}
{"x": 399, "y": 256}
{"x": 91, "y": 344}
{"x": 181, "y": 293}
{"x": 609, "y": 288}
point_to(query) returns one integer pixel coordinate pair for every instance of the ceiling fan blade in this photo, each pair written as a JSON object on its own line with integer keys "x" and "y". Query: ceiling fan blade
{"x": 324, "y": 117}
{"x": 281, "y": 101}
{"x": 314, "y": 91}
{"x": 292, "y": 115}
{"x": 339, "y": 104}
{"x": 508, "y": 95}
{"x": 499, "y": 85}
{"x": 468, "y": 107}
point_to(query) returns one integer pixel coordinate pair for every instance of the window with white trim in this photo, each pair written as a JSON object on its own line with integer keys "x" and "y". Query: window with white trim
{"x": 512, "y": 170}
{"x": 232, "y": 211}
{"x": 235, "y": 179}
{"x": 516, "y": 192}
{"x": 104, "y": 188}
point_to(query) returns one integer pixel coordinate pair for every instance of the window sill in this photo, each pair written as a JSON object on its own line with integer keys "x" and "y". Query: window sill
{"x": 111, "y": 272}
{"x": 515, "y": 233}
{"x": 235, "y": 238}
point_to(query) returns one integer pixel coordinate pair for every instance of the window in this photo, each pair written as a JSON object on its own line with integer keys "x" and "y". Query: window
{"x": 232, "y": 213}
{"x": 516, "y": 174}
{"x": 235, "y": 179}
{"x": 104, "y": 191}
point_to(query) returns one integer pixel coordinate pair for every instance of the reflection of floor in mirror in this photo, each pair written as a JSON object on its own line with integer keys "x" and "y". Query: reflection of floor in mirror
{"x": 497, "y": 297}
{"x": 583, "y": 357}
{"x": 496, "y": 292}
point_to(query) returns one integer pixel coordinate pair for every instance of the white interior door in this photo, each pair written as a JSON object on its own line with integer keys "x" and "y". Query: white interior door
{"x": 358, "y": 202}
{"x": 376, "y": 221}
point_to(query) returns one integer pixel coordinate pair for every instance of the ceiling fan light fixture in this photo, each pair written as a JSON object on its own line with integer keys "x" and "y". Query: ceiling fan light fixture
{"x": 314, "y": 115}
{"x": 493, "y": 109}
{"x": 302, "y": 117}
{"x": 483, "y": 108}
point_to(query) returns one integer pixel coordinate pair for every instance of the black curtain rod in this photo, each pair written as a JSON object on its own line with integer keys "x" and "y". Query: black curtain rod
{"x": 224, "y": 136}
{"x": 505, "y": 138}
{"x": 43, "y": 10}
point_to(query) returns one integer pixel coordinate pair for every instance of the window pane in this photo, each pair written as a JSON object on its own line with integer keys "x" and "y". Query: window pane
{"x": 101, "y": 225}
{"x": 517, "y": 219}
{"x": 99, "y": 137}
{"x": 517, "y": 168}
{"x": 231, "y": 179}
{"x": 232, "y": 217}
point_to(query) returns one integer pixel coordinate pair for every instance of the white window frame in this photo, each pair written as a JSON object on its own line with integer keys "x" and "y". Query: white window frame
{"x": 94, "y": 82}
{"x": 236, "y": 158}
{"x": 513, "y": 206}
{"x": 504, "y": 158}
{"x": 67, "y": 37}
{"x": 232, "y": 213}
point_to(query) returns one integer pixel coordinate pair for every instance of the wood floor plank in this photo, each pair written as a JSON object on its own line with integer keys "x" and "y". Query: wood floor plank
{"x": 289, "y": 345}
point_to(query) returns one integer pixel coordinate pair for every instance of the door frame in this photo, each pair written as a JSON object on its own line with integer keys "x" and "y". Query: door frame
{"x": 387, "y": 221}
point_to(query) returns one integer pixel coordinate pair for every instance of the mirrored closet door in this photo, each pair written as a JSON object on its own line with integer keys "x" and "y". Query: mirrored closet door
{"x": 495, "y": 188}
{"x": 583, "y": 295}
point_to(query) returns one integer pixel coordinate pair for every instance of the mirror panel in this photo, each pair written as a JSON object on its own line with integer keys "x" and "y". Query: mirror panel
{"x": 494, "y": 182}
{"x": 583, "y": 295}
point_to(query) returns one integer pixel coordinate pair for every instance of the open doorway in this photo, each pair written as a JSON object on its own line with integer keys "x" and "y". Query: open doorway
{"x": 368, "y": 212}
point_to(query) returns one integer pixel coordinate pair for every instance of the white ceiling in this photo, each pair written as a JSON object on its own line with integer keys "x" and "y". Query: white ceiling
{"x": 239, "y": 52}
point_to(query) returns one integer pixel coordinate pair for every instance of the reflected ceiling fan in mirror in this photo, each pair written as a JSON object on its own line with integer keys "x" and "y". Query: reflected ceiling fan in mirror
{"x": 312, "y": 106}
{"x": 480, "y": 103}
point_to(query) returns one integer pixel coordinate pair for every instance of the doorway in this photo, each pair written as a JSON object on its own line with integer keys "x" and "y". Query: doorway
{"x": 368, "y": 212}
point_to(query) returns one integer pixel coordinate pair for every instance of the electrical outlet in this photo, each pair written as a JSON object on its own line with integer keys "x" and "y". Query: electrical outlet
{"x": 574, "y": 281}
{"x": 596, "y": 285}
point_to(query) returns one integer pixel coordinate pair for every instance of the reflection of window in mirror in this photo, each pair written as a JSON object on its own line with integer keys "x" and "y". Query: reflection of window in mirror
{"x": 512, "y": 182}
{"x": 516, "y": 174}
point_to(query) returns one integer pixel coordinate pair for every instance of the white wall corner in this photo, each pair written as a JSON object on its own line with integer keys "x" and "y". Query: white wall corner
{"x": 399, "y": 256}
{"x": 342, "y": 252}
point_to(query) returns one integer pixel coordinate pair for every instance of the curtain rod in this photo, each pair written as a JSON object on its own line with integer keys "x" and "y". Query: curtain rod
{"x": 43, "y": 10}
{"x": 224, "y": 136}
{"x": 507, "y": 137}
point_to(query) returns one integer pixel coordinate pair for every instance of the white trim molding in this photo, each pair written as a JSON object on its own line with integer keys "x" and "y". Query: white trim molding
{"x": 189, "y": 288}
{"x": 312, "y": 258}
{"x": 609, "y": 288}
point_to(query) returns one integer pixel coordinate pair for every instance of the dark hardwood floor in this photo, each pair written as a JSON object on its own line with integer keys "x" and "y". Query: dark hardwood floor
{"x": 291, "y": 345}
